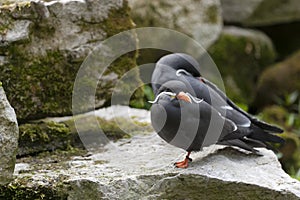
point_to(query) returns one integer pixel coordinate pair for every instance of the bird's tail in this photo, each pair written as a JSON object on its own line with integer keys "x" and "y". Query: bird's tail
{"x": 265, "y": 126}
{"x": 250, "y": 138}
{"x": 264, "y": 135}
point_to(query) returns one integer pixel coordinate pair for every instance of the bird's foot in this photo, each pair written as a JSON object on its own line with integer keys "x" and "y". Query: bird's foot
{"x": 184, "y": 163}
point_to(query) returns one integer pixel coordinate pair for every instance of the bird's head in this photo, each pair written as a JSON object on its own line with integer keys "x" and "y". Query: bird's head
{"x": 176, "y": 90}
{"x": 180, "y": 61}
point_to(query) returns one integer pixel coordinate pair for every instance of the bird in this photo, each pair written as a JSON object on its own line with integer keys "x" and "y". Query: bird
{"x": 191, "y": 112}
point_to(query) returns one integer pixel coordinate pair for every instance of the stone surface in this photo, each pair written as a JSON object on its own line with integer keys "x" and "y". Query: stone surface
{"x": 43, "y": 44}
{"x": 142, "y": 168}
{"x": 260, "y": 12}
{"x": 61, "y": 133}
{"x": 9, "y": 134}
{"x": 277, "y": 81}
{"x": 199, "y": 19}
{"x": 241, "y": 55}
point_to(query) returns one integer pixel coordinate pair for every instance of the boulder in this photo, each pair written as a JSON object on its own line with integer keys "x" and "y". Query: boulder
{"x": 278, "y": 81}
{"x": 201, "y": 20}
{"x": 260, "y": 12}
{"x": 43, "y": 44}
{"x": 241, "y": 55}
{"x": 9, "y": 134}
{"x": 142, "y": 168}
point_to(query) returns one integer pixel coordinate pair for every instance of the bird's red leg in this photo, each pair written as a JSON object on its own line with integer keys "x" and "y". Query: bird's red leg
{"x": 185, "y": 162}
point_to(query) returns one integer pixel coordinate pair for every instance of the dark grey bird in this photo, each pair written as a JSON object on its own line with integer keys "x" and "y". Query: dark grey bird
{"x": 191, "y": 112}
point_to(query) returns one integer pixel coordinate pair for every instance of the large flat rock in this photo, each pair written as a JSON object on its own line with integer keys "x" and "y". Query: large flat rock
{"x": 142, "y": 168}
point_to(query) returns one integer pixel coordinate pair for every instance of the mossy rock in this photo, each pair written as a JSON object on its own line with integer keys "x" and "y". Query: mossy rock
{"x": 43, "y": 48}
{"x": 39, "y": 137}
{"x": 277, "y": 81}
{"x": 16, "y": 190}
{"x": 241, "y": 55}
{"x": 49, "y": 135}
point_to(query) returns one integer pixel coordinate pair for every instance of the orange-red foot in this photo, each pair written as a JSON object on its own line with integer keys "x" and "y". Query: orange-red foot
{"x": 184, "y": 163}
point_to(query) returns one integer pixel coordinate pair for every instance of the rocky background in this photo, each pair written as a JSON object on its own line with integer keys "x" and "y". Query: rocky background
{"x": 254, "y": 43}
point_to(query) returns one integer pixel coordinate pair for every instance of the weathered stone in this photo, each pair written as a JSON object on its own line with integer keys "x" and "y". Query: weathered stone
{"x": 43, "y": 44}
{"x": 142, "y": 168}
{"x": 277, "y": 81}
{"x": 9, "y": 134}
{"x": 199, "y": 19}
{"x": 241, "y": 55}
{"x": 124, "y": 171}
{"x": 260, "y": 12}
{"x": 61, "y": 133}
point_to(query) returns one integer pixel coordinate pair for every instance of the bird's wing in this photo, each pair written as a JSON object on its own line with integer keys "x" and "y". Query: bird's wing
{"x": 254, "y": 120}
{"x": 217, "y": 101}
{"x": 210, "y": 122}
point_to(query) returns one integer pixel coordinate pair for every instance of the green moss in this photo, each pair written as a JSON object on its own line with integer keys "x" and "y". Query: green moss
{"x": 109, "y": 127}
{"x": 39, "y": 137}
{"x": 118, "y": 20}
{"x": 20, "y": 190}
{"x": 48, "y": 136}
{"x": 38, "y": 87}
{"x": 240, "y": 60}
{"x": 114, "y": 129}
{"x": 10, "y": 4}
{"x": 0, "y": 84}
{"x": 212, "y": 14}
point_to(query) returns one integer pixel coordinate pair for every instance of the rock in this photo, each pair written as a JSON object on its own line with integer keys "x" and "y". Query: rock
{"x": 260, "y": 12}
{"x": 123, "y": 171}
{"x": 43, "y": 44}
{"x": 142, "y": 168}
{"x": 9, "y": 134}
{"x": 277, "y": 81}
{"x": 241, "y": 55}
{"x": 61, "y": 134}
{"x": 200, "y": 20}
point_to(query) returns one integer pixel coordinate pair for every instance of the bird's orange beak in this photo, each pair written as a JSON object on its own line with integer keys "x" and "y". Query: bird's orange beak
{"x": 184, "y": 97}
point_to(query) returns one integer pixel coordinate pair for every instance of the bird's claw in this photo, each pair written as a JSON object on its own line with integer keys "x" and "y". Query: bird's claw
{"x": 184, "y": 163}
